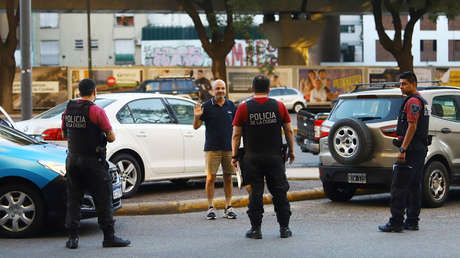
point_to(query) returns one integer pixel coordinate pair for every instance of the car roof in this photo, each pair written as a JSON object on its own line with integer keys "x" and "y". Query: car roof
{"x": 395, "y": 91}
{"x": 136, "y": 95}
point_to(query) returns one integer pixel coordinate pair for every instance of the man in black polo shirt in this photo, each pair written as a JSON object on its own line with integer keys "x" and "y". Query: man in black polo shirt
{"x": 217, "y": 113}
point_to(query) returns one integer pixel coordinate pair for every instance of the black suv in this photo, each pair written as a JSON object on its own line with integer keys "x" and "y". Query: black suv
{"x": 171, "y": 85}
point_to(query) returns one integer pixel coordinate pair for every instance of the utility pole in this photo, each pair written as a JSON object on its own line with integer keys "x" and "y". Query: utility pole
{"x": 25, "y": 13}
{"x": 88, "y": 15}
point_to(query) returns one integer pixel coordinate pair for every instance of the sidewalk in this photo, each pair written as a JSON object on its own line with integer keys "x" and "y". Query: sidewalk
{"x": 151, "y": 208}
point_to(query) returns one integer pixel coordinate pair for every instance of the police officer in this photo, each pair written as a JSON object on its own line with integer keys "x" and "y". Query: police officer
{"x": 88, "y": 129}
{"x": 412, "y": 131}
{"x": 259, "y": 121}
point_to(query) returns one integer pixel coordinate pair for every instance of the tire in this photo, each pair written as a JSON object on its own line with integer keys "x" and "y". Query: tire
{"x": 350, "y": 141}
{"x": 435, "y": 188}
{"x": 338, "y": 192}
{"x": 297, "y": 107}
{"x": 180, "y": 182}
{"x": 130, "y": 173}
{"x": 25, "y": 215}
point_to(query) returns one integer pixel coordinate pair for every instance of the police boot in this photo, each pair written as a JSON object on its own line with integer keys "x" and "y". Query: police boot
{"x": 72, "y": 242}
{"x": 410, "y": 225}
{"x": 110, "y": 240}
{"x": 285, "y": 232}
{"x": 391, "y": 226}
{"x": 254, "y": 233}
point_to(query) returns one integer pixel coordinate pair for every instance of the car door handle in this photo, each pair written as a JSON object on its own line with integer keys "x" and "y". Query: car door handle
{"x": 189, "y": 134}
{"x": 141, "y": 134}
{"x": 445, "y": 130}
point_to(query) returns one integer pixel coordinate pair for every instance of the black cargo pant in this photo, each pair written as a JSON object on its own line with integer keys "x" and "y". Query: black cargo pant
{"x": 91, "y": 174}
{"x": 406, "y": 188}
{"x": 258, "y": 167}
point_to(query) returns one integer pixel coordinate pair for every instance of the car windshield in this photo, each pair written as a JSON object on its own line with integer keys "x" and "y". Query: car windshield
{"x": 12, "y": 137}
{"x": 367, "y": 109}
{"x": 59, "y": 109}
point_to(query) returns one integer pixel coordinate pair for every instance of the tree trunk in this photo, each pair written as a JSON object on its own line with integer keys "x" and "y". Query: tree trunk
{"x": 405, "y": 61}
{"x": 219, "y": 69}
{"x": 7, "y": 72}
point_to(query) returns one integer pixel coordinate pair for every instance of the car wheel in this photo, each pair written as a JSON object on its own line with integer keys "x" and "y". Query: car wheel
{"x": 130, "y": 173}
{"x": 297, "y": 107}
{"x": 181, "y": 182}
{"x": 350, "y": 141}
{"x": 338, "y": 192}
{"x": 22, "y": 211}
{"x": 435, "y": 184}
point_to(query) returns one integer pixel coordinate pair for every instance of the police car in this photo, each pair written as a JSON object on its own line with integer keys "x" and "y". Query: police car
{"x": 356, "y": 149}
{"x": 33, "y": 187}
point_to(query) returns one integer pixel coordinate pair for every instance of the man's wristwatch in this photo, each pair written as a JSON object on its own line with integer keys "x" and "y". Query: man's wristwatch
{"x": 402, "y": 150}
{"x": 234, "y": 157}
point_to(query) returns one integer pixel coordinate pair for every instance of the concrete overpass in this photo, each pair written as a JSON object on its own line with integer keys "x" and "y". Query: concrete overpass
{"x": 168, "y": 6}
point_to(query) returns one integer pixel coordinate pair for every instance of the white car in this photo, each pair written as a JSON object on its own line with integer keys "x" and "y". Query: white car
{"x": 155, "y": 139}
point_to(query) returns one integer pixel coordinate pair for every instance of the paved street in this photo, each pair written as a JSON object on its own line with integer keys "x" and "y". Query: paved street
{"x": 321, "y": 229}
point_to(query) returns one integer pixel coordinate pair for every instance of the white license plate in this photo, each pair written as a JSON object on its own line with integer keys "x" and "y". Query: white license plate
{"x": 357, "y": 178}
{"x": 117, "y": 193}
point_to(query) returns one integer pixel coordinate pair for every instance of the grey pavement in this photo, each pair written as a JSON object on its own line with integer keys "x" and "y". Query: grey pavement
{"x": 321, "y": 229}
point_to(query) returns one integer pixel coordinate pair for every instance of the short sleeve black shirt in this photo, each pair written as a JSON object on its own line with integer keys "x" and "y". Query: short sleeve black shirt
{"x": 218, "y": 122}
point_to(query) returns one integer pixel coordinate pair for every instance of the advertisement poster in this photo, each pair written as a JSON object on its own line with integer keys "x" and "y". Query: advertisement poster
{"x": 125, "y": 79}
{"x": 49, "y": 87}
{"x": 240, "y": 80}
{"x": 328, "y": 83}
{"x": 392, "y": 74}
{"x": 448, "y": 76}
{"x": 191, "y": 53}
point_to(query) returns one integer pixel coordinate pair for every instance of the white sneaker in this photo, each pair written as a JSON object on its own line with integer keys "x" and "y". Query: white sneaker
{"x": 229, "y": 213}
{"x": 211, "y": 213}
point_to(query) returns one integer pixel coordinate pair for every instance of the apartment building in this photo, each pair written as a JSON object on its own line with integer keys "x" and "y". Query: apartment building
{"x": 61, "y": 39}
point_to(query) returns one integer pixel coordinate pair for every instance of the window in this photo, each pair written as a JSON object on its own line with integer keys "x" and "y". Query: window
{"x": 290, "y": 92}
{"x": 347, "y": 28}
{"x": 124, "y": 51}
{"x": 427, "y": 50}
{"x": 124, "y": 116}
{"x": 454, "y": 50}
{"x": 94, "y": 44}
{"x": 49, "y": 20}
{"x": 367, "y": 109}
{"x": 125, "y": 20}
{"x": 49, "y": 52}
{"x": 445, "y": 107}
{"x": 149, "y": 111}
{"x": 275, "y": 92}
{"x": 79, "y": 44}
{"x": 183, "y": 110}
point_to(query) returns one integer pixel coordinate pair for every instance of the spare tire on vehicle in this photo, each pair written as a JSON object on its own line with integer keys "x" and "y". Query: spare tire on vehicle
{"x": 350, "y": 141}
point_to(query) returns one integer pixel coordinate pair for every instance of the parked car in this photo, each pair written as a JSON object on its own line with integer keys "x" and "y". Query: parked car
{"x": 291, "y": 98}
{"x": 184, "y": 86}
{"x": 33, "y": 187}
{"x": 155, "y": 139}
{"x": 356, "y": 149}
{"x": 309, "y": 122}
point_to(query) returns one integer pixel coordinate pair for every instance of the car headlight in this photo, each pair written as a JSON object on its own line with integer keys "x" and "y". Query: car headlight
{"x": 56, "y": 167}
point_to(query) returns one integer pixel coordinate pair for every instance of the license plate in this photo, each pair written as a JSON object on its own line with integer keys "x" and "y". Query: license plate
{"x": 359, "y": 178}
{"x": 117, "y": 192}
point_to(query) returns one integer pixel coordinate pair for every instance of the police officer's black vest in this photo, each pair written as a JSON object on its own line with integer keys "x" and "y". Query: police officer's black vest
{"x": 421, "y": 133}
{"x": 83, "y": 136}
{"x": 262, "y": 130}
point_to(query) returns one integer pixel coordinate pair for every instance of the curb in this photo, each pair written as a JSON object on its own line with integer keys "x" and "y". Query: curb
{"x": 157, "y": 208}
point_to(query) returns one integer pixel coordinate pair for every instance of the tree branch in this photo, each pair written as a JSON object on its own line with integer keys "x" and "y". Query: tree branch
{"x": 415, "y": 15}
{"x": 190, "y": 9}
{"x": 229, "y": 36}
{"x": 13, "y": 21}
{"x": 393, "y": 8}
{"x": 386, "y": 42}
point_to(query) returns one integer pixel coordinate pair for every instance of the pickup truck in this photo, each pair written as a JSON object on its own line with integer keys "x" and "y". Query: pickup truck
{"x": 309, "y": 120}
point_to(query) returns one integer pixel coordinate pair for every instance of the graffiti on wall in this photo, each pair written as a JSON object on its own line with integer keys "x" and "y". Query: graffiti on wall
{"x": 190, "y": 53}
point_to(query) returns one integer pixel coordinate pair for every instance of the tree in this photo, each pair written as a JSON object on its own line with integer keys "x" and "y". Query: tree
{"x": 222, "y": 28}
{"x": 401, "y": 48}
{"x": 7, "y": 61}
